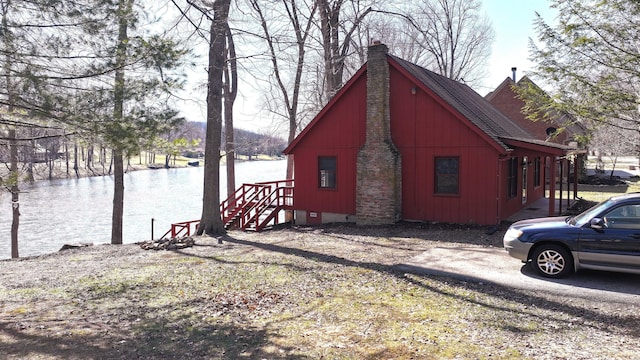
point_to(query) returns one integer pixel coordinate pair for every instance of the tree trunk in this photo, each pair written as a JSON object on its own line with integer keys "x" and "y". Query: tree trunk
{"x": 13, "y": 146}
{"x": 32, "y": 158}
{"x": 66, "y": 156}
{"x": 89, "y": 158}
{"x": 210, "y": 221}
{"x": 124, "y": 10}
{"x": 15, "y": 193}
{"x": 50, "y": 159}
{"x": 118, "y": 198}
{"x": 333, "y": 62}
{"x": 75, "y": 159}
{"x": 230, "y": 92}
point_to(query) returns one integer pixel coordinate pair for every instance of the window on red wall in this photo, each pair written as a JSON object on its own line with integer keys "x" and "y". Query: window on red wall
{"x": 327, "y": 172}
{"x": 512, "y": 177}
{"x": 447, "y": 172}
{"x": 536, "y": 172}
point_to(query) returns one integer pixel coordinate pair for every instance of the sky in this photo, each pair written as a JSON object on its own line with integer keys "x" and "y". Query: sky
{"x": 512, "y": 22}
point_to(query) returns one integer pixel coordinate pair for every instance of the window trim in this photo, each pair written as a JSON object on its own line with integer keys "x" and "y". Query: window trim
{"x": 329, "y": 172}
{"x": 437, "y": 175}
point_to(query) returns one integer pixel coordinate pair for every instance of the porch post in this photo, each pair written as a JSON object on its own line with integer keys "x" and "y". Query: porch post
{"x": 552, "y": 185}
{"x": 575, "y": 176}
{"x": 562, "y": 162}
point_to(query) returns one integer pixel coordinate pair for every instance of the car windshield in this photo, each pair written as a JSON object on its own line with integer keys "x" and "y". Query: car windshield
{"x": 587, "y": 215}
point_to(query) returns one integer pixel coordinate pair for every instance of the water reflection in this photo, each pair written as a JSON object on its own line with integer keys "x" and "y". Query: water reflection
{"x": 58, "y": 212}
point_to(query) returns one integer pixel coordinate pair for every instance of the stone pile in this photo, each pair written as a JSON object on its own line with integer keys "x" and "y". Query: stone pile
{"x": 168, "y": 244}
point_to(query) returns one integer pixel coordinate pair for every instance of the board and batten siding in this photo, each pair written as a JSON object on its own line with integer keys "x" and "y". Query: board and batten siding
{"x": 340, "y": 133}
{"x": 424, "y": 128}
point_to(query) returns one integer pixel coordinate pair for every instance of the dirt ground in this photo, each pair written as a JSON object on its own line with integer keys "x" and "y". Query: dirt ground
{"x": 331, "y": 292}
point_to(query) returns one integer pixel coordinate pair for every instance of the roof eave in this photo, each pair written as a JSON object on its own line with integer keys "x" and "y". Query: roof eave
{"x": 541, "y": 146}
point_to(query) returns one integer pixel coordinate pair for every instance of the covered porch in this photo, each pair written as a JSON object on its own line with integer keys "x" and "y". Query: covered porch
{"x": 540, "y": 208}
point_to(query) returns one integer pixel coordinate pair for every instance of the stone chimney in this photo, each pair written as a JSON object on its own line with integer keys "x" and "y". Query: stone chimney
{"x": 378, "y": 178}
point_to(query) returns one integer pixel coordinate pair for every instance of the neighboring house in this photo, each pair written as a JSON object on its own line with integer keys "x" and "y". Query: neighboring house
{"x": 560, "y": 128}
{"x": 399, "y": 142}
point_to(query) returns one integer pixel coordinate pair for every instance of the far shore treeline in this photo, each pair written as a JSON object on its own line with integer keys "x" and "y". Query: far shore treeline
{"x": 60, "y": 155}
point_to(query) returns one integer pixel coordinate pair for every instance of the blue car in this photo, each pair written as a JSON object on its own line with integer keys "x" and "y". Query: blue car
{"x": 605, "y": 237}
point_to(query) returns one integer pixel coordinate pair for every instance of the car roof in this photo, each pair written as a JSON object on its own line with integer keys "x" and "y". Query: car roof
{"x": 629, "y": 196}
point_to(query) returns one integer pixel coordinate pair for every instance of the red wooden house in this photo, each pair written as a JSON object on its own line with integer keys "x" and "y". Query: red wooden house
{"x": 399, "y": 142}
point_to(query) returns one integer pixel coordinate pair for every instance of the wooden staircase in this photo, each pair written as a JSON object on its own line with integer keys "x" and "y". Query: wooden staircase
{"x": 257, "y": 206}
{"x": 252, "y": 207}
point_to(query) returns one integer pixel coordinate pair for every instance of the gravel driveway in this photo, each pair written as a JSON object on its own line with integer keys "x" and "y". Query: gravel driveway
{"x": 494, "y": 265}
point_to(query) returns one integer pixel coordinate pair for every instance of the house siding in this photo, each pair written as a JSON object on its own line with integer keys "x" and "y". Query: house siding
{"x": 423, "y": 128}
{"x": 340, "y": 134}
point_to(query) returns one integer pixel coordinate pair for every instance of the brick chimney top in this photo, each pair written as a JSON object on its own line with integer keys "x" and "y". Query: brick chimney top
{"x": 378, "y": 48}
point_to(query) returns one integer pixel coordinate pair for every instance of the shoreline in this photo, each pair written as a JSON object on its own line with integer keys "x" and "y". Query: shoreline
{"x": 71, "y": 211}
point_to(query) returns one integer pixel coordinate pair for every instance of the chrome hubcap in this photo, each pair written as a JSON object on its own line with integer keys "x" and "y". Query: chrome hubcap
{"x": 550, "y": 262}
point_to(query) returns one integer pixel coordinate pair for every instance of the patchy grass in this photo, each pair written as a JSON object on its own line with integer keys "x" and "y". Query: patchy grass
{"x": 599, "y": 193}
{"x": 289, "y": 294}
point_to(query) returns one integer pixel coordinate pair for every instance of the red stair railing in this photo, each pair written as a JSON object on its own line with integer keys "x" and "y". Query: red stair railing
{"x": 245, "y": 207}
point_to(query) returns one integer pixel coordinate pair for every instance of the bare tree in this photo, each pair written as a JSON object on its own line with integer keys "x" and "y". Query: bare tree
{"x": 615, "y": 141}
{"x": 337, "y": 49}
{"x": 454, "y": 38}
{"x": 301, "y": 26}
{"x": 211, "y": 221}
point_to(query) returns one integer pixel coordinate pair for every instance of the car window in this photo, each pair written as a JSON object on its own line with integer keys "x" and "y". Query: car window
{"x": 623, "y": 217}
{"x": 589, "y": 214}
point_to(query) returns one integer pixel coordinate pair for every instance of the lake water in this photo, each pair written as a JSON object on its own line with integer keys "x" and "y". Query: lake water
{"x": 58, "y": 212}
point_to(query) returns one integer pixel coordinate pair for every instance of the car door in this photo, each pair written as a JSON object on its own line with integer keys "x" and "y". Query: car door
{"x": 617, "y": 243}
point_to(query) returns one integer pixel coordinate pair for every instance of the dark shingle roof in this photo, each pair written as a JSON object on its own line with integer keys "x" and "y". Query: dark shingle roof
{"x": 471, "y": 105}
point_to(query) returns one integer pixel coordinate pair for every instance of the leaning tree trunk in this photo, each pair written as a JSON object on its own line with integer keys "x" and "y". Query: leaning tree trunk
{"x": 230, "y": 92}
{"x": 210, "y": 221}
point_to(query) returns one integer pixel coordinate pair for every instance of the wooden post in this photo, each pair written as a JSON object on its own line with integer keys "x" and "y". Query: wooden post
{"x": 552, "y": 186}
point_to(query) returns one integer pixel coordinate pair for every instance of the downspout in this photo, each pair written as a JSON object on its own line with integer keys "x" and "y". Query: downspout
{"x": 498, "y": 202}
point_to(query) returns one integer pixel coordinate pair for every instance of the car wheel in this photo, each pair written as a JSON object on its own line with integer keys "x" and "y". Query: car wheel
{"x": 552, "y": 261}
